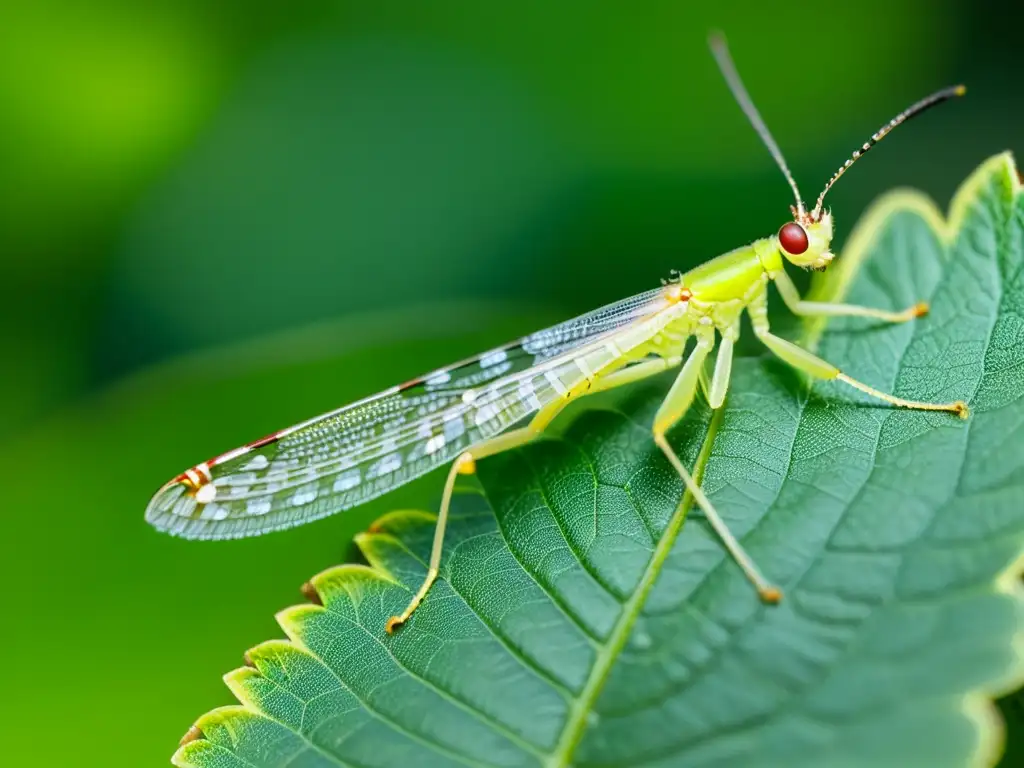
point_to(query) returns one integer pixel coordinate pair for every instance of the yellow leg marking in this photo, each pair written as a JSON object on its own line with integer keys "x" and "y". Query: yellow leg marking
{"x": 671, "y": 411}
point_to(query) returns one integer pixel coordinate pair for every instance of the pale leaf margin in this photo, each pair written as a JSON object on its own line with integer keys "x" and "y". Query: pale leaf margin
{"x": 978, "y": 704}
{"x": 226, "y": 725}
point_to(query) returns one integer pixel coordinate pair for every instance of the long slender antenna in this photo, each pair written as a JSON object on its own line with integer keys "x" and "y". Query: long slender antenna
{"x": 912, "y": 111}
{"x": 720, "y": 49}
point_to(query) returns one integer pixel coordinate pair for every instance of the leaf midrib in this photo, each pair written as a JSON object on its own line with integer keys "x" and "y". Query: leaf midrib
{"x": 576, "y": 723}
{"x": 739, "y": 727}
{"x": 582, "y": 706}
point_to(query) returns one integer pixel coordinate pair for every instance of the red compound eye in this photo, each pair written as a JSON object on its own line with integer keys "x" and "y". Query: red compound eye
{"x": 793, "y": 238}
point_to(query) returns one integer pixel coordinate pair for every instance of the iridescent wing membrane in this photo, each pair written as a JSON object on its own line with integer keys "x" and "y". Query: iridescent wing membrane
{"x": 358, "y": 452}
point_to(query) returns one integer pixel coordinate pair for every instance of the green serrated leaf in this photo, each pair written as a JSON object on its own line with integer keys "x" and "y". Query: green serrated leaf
{"x": 577, "y": 622}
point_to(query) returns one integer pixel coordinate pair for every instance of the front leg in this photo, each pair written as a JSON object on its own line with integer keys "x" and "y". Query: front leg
{"x": 811, "y": 364}
{"x": 791, "y": 296}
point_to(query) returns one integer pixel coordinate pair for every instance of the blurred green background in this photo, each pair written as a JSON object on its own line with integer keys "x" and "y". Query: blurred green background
{"x": 219, "y": 219}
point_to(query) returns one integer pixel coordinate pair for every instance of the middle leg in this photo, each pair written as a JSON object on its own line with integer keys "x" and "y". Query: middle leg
{"x": 674, "y": 407}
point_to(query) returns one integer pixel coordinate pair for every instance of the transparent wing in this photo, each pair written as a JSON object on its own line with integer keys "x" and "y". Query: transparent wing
{"x": 360, "y": 451}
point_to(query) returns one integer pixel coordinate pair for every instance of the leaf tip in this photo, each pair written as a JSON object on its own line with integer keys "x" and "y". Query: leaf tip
{"x": 398, "y": 520}
{"x": 292, "y": 618}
